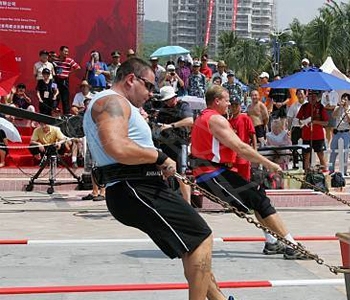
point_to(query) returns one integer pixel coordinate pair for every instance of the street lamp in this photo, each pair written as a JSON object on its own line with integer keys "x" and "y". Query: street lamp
{"x": 276, "y": 46}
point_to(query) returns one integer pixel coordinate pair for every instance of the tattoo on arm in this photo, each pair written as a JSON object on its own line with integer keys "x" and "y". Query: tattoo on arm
{"x": 114, "y": 108}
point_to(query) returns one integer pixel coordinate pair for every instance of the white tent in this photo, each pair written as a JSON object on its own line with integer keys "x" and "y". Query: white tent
{"x": 330, "y": 68}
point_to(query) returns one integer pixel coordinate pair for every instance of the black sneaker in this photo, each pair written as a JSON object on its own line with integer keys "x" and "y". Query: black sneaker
{"x": 274, "y": 248}
{"x": 292, "y": 254}
{"x": 88, "y": 197}
{"x": 99, "y": 198}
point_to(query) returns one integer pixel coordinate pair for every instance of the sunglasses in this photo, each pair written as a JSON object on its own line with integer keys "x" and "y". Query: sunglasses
{"x": 149, "y": 85}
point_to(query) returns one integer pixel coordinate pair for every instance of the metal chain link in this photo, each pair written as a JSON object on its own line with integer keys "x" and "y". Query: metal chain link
{"x": 297, "y": 247}
{"x": 316, "y": 188}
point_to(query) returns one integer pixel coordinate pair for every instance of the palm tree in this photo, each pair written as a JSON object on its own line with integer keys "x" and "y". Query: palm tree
{"x": 198, "y": 51}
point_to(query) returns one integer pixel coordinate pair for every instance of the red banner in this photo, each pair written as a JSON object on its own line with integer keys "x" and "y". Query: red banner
{"x": 82, "y": 25}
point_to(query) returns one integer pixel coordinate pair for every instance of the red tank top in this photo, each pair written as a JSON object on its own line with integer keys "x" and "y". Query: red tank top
{"x": 205, "y": 146}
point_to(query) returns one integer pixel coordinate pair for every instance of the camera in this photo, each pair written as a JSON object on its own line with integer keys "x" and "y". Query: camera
{"x": 172, "y": 73}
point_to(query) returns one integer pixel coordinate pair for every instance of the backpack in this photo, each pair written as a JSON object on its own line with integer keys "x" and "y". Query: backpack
{"x": 267, "y": 180}
{"x": 316, "y": 178}
{"x": 337, "y": 180}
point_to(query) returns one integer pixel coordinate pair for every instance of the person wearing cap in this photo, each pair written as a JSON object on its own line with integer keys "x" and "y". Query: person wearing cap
{"x": 330, "y": 100}
{"x": 159, "y": 72}
{"x": 234, "y": 88}
{"x": 243, "y": 126}
{"x": 47, "y": 92}
{"x": 79, "y": 98}
{"x": 305, "y": 63}
{"x": 205, "y": 69}
{"x": 113, "y": 67}
{"x": 172, "y": 79}
{"x": 313, "y": 118}
{"x": 221, "y": 71}
{"x": 43, "y": 63}
{"x": 176, "y": 118}
{"x": 184, "y": 72}
{"x": 265, "y": 91}
{"x": 196, "y": 81}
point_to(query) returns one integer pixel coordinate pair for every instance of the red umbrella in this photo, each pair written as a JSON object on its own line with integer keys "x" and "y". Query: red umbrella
{"x": 9, "y": 69}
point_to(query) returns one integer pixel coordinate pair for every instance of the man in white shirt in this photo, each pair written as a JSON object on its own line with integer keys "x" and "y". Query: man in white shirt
{"x": 294, "y": 126}
{"x": 329, "y": 101}
{"x": 42, "y": 64}
{"x": 221, "y": 72}
{"x": 159, "y": 73}
{"x": 78, "y": 102}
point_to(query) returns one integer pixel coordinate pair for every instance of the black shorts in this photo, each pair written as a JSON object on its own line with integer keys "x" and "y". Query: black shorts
{"x": 279, "y": 112}
{"x": 239, "y": 193}
{"x": 260, "y": 131}
{"x": 159, "y": 212}
{"x": 317, "y": 145}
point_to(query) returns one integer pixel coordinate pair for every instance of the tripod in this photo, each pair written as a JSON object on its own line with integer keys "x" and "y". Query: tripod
{"x": 51, "y": 159}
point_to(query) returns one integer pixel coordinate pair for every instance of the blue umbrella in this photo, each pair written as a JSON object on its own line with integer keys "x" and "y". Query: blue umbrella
{"x": 169, "y": 50}
{"x": 312, "y": 78}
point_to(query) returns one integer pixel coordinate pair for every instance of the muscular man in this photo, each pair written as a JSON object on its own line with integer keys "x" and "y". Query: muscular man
{"x": 120, "y": 141}
{"x": 259, "y": 115}
{"x": 215, "y": 147}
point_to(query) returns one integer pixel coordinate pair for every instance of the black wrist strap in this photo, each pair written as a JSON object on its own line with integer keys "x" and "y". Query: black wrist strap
{"x": 161, "y": 158}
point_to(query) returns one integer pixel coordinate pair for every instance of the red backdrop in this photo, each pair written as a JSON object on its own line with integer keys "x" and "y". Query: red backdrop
{"x": 82, "y": 25}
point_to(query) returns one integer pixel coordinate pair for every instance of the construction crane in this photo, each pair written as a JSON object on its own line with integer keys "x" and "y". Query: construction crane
{"x": 140, "y": 25}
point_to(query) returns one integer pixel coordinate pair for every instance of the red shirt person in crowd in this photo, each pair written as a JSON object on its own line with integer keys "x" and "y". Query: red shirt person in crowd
{"x": 313, "y": 117}
{"x": 64, "y": 68}
{"x": 205, "y": 68}
{"x": 243, "y": 126}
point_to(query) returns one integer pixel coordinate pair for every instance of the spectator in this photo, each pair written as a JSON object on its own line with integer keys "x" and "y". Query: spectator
{"x": 234, "y": 89}
{"x": 96, "y": 72}
{"x": 278, "y": 137}
{"x": 196, "y": 82}
{"x": 42, "y": 64}
{"x": 176, "y": 118}
{"x": 3, "y": 148}
{"x": 265, "y": 91}
{"x": 47, "y": 92}
{"x": 113, "y": 67}
{"x": 330, "y": 100}
{"x": 280, "y": 98}
{"x": 159, "y": 73}
{"x": 45, "y": 136}
{"x": 184, "y": 73}
{"x": 205, "y": 68}
{"x": 217, "y": 80}
{"x": 342, "y": 131}
{"x": 172, "y": 79}
{"x": 293, "y": 123}
{"x": 65, "y": 66}
{"x": 305, "y": 63}
{"x": 79, "y": 98}
{"x": 257, "y": 111}
{"x": 221, "y": 71}
{"x": 313, "y": 117}
{"x": 243, "y": 126}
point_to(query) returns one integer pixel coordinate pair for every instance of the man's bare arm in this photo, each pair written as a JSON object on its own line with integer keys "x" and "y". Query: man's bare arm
{"x": 223, "y": 132}
{"x": 111, "y": 115}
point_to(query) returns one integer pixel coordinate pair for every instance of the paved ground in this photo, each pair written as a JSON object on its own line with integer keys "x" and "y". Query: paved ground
{"x": 39, "y": 216}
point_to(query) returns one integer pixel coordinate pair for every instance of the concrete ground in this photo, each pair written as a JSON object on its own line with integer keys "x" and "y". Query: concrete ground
{"x": 63, "y": 216}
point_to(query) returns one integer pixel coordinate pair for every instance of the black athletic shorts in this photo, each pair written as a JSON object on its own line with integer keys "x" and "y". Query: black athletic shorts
{"x": 317, "y": 145}
{"x": 159, "y": 212}
{"x": 238, "y": 192}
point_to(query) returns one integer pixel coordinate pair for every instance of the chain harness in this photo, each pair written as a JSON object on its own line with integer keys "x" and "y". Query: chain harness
{"x": 298, "y": 247}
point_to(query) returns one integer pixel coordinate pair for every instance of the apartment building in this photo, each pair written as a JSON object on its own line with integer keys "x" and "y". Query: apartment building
{"x": 254, "y": 19}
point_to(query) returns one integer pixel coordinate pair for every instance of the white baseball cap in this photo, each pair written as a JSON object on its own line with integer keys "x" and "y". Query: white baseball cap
{"x": 264, "y": 75}
{"x": 166, "y": 93}
{"x": 305, "y": 60}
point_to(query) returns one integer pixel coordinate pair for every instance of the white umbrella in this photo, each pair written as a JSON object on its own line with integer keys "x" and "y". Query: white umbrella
{"x": 10, "y": 130}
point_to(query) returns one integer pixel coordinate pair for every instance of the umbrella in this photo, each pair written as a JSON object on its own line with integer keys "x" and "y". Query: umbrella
{"x": 169, "y": 50}
{"x": 9, "y": 69}
{"x": 312, "y": 78}
{"x": 10, "y": 130}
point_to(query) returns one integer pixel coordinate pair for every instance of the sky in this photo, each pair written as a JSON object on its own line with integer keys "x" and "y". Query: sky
{"x": 287, "y": 10}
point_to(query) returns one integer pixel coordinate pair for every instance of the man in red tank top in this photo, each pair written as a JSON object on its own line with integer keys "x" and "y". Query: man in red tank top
{"x": 214, "y": 148}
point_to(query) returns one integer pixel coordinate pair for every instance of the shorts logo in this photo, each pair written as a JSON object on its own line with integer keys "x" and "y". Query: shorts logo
{"x": 153, "y": 173}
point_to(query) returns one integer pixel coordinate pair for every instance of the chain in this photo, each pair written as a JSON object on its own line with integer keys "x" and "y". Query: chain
{"x": 316, "y": 188}
{"x": 298, "y": 247}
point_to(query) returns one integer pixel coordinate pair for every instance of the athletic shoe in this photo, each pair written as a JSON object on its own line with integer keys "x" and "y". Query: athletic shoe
{"x": 98, "y": 198}
{"x": 88, "y": 197}
{"x": 274, "y": 248}
{"x": 292, "y": 254}
{"x": 231, "y": 298}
